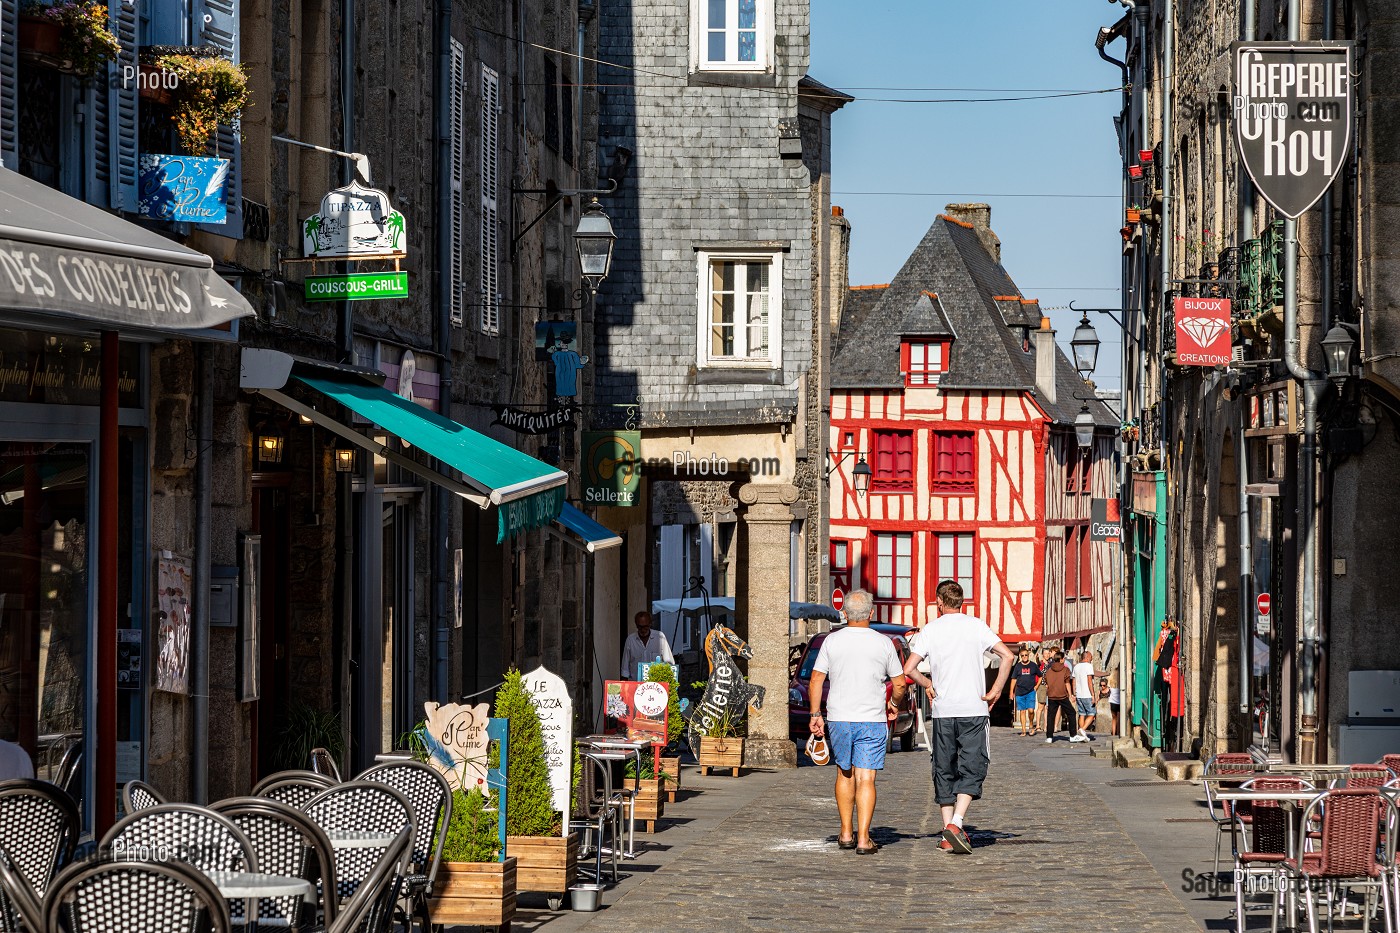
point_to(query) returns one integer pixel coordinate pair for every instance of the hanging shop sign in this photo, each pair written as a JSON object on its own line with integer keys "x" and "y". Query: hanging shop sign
{"x": 359, "y": 286}
{"x": 1294, "y": 116}
{"x": 534, "y": 422}
{"x": 457, "y": 742}
{"x": 638, "y": 708}
{"x": 1273, "y": 410}
{"x": 557, "y": 343}
{"x": 533, "y": 511}
{"x": 175, "y": 187}
{"x": 612, "y": 467}
{"x": 1105, "y": 521}
{"x": 354, "y": 223}
{"x": 1145, "y": 493}
{"x": 550, "y": 696}
{"x": 1202, "y": 331}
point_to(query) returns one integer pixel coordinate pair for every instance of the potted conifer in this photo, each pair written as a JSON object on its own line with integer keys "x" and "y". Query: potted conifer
{"x": 546, "y": 860}
{"x": 474, "y": 886}
{"x": 675, "y": 726}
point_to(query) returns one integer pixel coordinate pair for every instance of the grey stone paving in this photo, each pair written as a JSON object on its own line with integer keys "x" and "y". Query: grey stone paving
{"x": 758, "y": 854}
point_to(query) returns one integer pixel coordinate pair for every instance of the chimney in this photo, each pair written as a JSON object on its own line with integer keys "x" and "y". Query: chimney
{"x": 1044, "y": 340}
{"x": 980, "y": 216}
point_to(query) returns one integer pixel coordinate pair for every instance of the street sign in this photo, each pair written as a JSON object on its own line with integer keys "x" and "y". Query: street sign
{"x": 838, "y": 599}
{"x": 1202, "y": 331}
{"x": 1293, "y": 118}
{"x": 1263, "y": 604}
{"x": 358, "y": 286}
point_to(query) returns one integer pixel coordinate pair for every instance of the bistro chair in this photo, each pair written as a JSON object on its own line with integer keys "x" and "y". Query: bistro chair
{"x": 207, "y": 840}
{"x": 1347, "y": 854}
{"x": 138, "y": 795}
{"x": 20, "y": 909}
{"x": 294, "y": 788}
{"x": 322, "y": 762}
{"x": 286, "y": 842}
{"x": 1267, "y": 847}
{"x": 69, "y": 774}
{"x": 1227, "y": 819}
{"x": 39, "y": 826}
{"x": 431, "y": 798}
{"x": 145, "y": 896}
{"x": 371, "y": 908}
{"x": 359, "y": 806}
{"x": 600, "y": 814}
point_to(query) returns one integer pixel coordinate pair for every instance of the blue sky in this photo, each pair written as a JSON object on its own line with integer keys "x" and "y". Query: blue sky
{"x": 1057, "y": 249}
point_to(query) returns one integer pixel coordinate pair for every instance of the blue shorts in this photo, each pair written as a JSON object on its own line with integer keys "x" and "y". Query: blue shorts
{"x": 1084, "y": 706}
{"x": 1025, "y": 702}
{"x": 858, "y": 744}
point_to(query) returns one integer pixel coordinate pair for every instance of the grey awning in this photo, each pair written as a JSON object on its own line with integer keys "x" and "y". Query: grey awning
{"x": 61, "y": 256}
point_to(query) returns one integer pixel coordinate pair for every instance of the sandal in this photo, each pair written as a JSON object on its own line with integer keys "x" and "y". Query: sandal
{"x": 861, "y": 850}
{"x": 845, "y": 843}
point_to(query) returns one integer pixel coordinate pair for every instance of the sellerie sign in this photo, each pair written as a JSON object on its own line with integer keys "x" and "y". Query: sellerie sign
{"x": 1293, "y": 118}
{"x": 1202, "y": 331}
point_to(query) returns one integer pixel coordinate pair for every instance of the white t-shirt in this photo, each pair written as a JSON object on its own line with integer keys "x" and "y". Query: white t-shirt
{"x": 857, "y": 661}
{"x": 954, "y": 645}
{"x": 1082, "y": 672}
{"x": 634, "y": 652}
{"x": 14, "y": 762}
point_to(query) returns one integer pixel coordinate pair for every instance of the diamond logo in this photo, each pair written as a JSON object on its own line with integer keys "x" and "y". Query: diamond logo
{"x": 1203, "y": 330}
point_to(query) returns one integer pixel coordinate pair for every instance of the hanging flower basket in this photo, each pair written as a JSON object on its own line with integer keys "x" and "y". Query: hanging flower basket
{"x": 156, "y": 85}
{"x": 209, "y": 91}
{"x": 1145, "y": 156}
{"x": 1133, "y": 215}
{"x": 72, "y": 35}
{"x": 1135, "y": 172}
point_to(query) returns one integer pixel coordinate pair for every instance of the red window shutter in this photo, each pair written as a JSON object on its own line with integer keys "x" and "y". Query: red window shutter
{"x": 1086, "y": 564}
{"x": 1072, "y": 468}
{"x": 904, "y": 360}
{"x": 962, "y": 460}
{"x": 1071, "y": 563}
{"x": 1086, "y": 468}
{"x": 904, "y": 458}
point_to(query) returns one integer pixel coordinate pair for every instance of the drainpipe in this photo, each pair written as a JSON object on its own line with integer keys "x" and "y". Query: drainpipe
{"x": 1328, "y": 22}
{"x": 346, "y": 334}
{"x": 199, "y": 647}
{"x": 1246, "y": 534}
{"x": 1246, "y": 231}
{"x": 441, "y": 547}
{"x": 1309, "y": 507}
{"x": 346, "y": 328}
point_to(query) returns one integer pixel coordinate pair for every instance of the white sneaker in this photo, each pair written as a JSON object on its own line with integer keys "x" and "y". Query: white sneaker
{"x": 1077, "y": 738}
{"x": 1049, "y": 741}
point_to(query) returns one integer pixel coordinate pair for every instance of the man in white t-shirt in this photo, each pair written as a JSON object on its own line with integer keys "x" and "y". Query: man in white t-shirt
{"x": 955, "y": 645}
{"x": 14, "y": 762}
{"x": 858, "y": 661}
{"x": 1085, "y": 700}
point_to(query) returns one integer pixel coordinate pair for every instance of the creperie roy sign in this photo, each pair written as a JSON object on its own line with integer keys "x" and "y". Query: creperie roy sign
{"x": 1202, "y": 331}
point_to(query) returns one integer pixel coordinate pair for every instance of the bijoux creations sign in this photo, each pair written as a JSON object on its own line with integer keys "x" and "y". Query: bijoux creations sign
{"x": 1202, "y": 331}
{"x": 1294, "y": 112}
{"x": 358, "y": 286}
{"x": 354, "y": 222}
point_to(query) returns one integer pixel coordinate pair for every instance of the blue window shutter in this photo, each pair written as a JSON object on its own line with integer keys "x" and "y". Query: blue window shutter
{"x": 9, "y": 79}
{"x": 216, "y": 24}
{"x": 97, "y": 140}
{"x": 123, "y": 99}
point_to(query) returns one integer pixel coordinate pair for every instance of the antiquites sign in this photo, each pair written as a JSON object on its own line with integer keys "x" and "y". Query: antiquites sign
{"x": 1293, "y": 113}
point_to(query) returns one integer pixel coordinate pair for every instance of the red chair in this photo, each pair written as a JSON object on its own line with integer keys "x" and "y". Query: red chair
{"x": 1347, "y": 853}
{"x": 1267, "y": 849}
{"x": 1392, "y": 762}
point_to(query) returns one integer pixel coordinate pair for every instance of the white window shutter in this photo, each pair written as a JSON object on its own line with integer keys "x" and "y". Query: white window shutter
{"x": 9, "y": 81}
{"x": 216, "y": 24}
{"x": 490, "y": 218}
{"x": 453, "y": 274}
{"x": 120, "y": 116}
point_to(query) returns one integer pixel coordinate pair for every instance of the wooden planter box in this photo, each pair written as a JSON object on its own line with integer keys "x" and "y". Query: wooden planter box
{"x": 474, "y": 894}
{"x": 650, "y": 802}
{"x": 151, "y": 86}
{"x": 721, "y": 753}
{"x": 547, "y": 864}
{"x": 1132, "y": 216}
{"x": 672, "y": 783}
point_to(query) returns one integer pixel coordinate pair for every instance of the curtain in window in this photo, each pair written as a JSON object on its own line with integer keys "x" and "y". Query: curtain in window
{"x": 955, "y": 560}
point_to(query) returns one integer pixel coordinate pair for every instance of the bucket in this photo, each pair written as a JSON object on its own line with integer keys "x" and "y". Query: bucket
{"x": 586, "y": 897}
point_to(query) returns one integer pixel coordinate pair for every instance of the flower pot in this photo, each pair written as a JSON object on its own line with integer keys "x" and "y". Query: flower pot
{"x": 1133, "y": 215}
{"x": 721, "y": 753}
{"x": 671, "y": 782}
{"x": 547, "y": 864}
{"x": 649, "y": 802}
{"x": 156, "y": 85}
{"x": 41, "y": 41}
{"x": 1145, "y": 156}
{"x": 1135, "y": 172}
{"x": 474, "y": 893}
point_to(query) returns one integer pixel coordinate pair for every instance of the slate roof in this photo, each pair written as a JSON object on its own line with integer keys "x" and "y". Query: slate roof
{"x": 952, "y": 286}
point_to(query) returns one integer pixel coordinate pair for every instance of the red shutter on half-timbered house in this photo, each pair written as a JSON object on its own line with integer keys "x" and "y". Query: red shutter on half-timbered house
{"x": 1086, "y": 560}
{"x": 953, "y": 462}
{"x": 894, "y": 461}
{"x": 1072, "y": 562}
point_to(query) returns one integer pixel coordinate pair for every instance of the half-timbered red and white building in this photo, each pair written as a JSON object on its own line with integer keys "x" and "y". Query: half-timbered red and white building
{"x": 949, "y": 384}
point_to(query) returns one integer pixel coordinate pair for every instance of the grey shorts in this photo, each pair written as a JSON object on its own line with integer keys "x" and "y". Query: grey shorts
{"x": 1084, "y": 706}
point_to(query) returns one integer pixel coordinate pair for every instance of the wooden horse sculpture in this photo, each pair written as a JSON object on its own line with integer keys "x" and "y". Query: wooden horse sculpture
{"x": 726, "y": 689}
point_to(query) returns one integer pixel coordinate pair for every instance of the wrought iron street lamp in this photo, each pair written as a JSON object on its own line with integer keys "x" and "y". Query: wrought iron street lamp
{"x": 594, "y": 241}
{"x": 860, "y": 473}
{"x": 1085, "y": 344}
{"x": 1084, "y": 427}
{"x": 1338, "y": 346}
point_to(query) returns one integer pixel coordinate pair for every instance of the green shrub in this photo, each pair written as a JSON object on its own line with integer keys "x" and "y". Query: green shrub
{"x": 530, "y": 802}
{"x": 472, "y": 836}
{"x": 675, "y": 724}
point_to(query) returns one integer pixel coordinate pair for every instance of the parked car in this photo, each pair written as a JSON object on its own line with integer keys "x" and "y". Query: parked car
{"x": 799, "y": 708}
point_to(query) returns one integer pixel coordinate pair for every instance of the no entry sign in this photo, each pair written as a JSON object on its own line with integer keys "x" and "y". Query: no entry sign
{"x": 838, "y": 599}
{"x": 1293, "y": 118}
{"x": 1263, "y": 604}
{"x": 1202, "y": 331}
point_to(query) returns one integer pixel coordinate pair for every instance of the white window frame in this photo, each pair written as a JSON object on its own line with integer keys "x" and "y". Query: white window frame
{"x": 948, "y": 563}
{"x": 700, "y": 38}
{"x": 890, "y": 548}
{"x": 775, "y": 311}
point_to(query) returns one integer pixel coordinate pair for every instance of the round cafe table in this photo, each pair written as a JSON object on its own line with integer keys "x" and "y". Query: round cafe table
{"x": 237, "y": 885}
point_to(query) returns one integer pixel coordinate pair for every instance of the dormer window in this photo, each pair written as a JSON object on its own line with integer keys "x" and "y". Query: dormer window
{"x": 923, "y": 362}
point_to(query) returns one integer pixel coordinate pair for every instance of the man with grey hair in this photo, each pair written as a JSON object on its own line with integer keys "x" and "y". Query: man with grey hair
{"x": 858, "y": 661}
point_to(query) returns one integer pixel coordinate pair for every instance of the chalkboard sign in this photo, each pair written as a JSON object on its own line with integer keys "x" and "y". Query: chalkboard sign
{"x": 551, "y": 698}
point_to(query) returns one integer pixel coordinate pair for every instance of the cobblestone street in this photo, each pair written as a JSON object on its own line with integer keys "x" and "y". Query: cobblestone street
{"x": 1049, "y": 854}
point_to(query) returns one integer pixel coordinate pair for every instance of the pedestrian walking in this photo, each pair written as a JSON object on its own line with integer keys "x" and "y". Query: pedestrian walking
{"x": 1085, "y": 696}
{"x": 955, "y": 644}
{"x": 644, "y": 645}
{"x": 1115, "y": 698}
{"x": 14, "y": 762}
{"x": 1025, "y": 677}
{"x": 858, "y": 661}
{"x": 1042, "y": 660}
{"x": 1059, "y": 681}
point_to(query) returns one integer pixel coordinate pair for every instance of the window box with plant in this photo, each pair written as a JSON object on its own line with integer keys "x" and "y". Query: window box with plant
{"x": 73, "y": 35}
{"x": 723, "y": 747}
{"x": 206, "y": 90}
{"x": 1133, "y": 214}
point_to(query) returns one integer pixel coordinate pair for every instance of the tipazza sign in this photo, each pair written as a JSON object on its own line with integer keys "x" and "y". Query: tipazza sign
{"x": 1294, "y": 112}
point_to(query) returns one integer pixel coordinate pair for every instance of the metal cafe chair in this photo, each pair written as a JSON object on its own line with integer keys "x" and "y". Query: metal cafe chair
{"x": 322, "y": 762}
{"x": 286, "y": 842}
{"x": 600, "y": 813}
{"x": 431, "y": 797}
{"x": 184, "y": 832}
{"x": 360, "y": 806}
{"x": 20, "y": 909}
{"x": 294, "y": 788}
{"x": 371, "y": 908}
{"x": 1347, "y": 854}
{"x": 69, "y": 774}
{"x": 39, "y": 826}
{"x": 1227, "y": 817}
{"x": 149, "y": 896}
{"x": 138, "y": 795}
